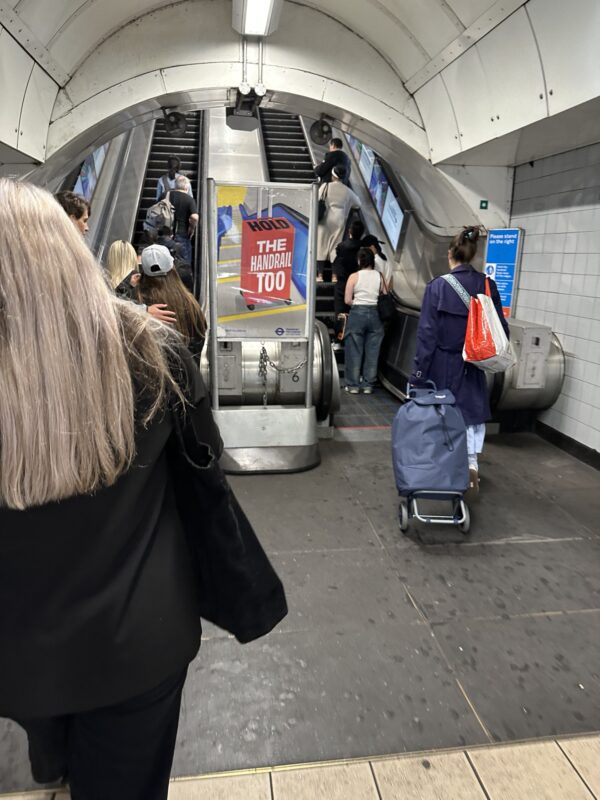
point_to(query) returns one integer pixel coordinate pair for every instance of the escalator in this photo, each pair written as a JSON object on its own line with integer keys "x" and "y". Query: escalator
{"x": 286, "y": 151}
{"x": 185, "y": 146}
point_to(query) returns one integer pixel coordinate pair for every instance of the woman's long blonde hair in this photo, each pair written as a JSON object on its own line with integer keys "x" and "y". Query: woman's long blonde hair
{"x": 70, "y": 356}
{"x": 121, "y": 260}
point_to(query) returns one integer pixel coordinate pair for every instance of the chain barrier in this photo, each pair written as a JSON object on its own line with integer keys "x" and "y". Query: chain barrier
{"x": 264, "y": 362}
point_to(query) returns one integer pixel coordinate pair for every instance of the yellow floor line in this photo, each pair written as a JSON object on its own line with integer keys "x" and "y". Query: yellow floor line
{"x": 267, "y": 313}
{"x": 340, "y": 762}
{"x": 231, "y": 279}
{"x": 229, "y": 246}
{"x": 225, "y": 261}
{"x": 355, "y": 760}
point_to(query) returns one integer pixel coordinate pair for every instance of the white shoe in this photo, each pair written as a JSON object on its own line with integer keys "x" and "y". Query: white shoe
{"x": 368, "y": 390}
{"x": 351, "y": 389}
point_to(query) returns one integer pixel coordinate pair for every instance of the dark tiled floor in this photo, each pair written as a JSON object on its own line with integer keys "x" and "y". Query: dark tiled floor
{"x": 395, "y": 642}
{"x": 362, "y": 410}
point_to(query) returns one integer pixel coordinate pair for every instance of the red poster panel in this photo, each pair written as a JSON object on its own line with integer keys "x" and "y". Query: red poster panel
{"x": 266, "y": 265}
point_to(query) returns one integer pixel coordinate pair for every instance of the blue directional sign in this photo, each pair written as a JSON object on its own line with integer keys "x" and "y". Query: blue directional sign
{"x": 502, "y": 259}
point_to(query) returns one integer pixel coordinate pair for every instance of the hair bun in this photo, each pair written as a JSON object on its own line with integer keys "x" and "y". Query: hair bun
{"x": 470, "y": 234}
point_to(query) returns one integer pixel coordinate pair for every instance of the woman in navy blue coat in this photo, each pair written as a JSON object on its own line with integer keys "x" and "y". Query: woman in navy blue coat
{"x": 440, "y": 339}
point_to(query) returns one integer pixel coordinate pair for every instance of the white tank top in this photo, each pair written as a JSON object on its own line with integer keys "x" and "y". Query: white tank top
{"x": 366, "y": 289}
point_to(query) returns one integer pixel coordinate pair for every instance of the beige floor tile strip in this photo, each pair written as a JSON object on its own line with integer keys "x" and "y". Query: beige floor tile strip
{"x": 352, "y": 782}
{"x": 245, "y": 787}
{"x": 584, "y": 754}
{"x": 565, "y": 769}
{"x": 538, "y": 771}
{"x": 437, "y": 777}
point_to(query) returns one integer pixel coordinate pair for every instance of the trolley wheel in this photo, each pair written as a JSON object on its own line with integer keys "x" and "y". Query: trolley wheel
{"x": 250, "y": 307}
{"x": 403, "y": 516}
{"x": 466, "y": 524}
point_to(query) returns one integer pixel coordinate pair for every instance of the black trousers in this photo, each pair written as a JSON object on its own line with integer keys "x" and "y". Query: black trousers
{"x": 122, "y": 752}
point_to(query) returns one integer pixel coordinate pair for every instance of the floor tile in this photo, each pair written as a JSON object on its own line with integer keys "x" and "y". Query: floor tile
{"x": 236, "y": 787}
{"x": 529, "y": 677}
{"x": 447, "y": 776}
{"x": 584, "y": 754}
{"x": 473, "y": 582}
{"x": 345, "y": 589}
{"x": 289, "y": 517}
{"x": 319, "y": 695}
{"x": 352, "y": 782}
{"x": 538, "y": 771}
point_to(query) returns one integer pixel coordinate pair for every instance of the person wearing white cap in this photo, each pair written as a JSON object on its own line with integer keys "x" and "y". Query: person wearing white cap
{"x": 160, "y": 282}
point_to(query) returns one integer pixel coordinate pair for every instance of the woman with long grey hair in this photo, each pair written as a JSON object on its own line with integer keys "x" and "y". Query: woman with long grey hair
{"x": 99, "y": 609}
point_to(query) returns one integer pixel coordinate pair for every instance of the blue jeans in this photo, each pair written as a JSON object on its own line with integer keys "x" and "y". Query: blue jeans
{"x": 364, "y": 334}
{"x": 184, "y": 247}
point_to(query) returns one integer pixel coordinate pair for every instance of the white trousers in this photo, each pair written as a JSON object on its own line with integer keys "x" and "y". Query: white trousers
{"x": 475, "y": 440}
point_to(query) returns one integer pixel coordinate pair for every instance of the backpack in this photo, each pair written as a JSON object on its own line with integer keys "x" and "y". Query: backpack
{"x": 429, "y": 443}
{"x": 160, "y": 215}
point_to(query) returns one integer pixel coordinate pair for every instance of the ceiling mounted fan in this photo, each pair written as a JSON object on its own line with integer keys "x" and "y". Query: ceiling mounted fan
{"x": 321, "y": 131}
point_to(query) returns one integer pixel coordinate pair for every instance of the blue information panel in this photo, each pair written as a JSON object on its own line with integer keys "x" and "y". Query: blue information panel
{"x": 502, "y": 263}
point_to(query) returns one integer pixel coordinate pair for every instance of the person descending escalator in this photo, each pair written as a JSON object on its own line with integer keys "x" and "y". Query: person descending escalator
{"x": 166, "y": 182}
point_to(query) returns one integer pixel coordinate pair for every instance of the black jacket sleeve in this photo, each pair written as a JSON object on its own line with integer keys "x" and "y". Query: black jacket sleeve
{"x": 323, "y": 170}
{"x": 197, "y": 419}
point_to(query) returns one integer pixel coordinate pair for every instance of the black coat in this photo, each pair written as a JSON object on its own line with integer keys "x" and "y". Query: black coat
{"x": 346, "y": 258}
{"x": 440, "y": 339}
{"x": 98, "y": 593}
{"x": 333, "y": 158}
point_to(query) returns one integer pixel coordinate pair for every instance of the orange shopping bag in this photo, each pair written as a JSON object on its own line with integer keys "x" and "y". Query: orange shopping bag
{"x": 486, "y": 345}
{"x": 479, "y": 339}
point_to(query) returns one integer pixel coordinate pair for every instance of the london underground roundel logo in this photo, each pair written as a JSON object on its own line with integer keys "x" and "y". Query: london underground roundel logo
{"x": 279, "y": 331}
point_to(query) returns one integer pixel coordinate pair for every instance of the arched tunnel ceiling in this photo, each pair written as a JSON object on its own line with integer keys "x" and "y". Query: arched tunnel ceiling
{"x": 455, "y": 81}
{"x": 408, "y": 34}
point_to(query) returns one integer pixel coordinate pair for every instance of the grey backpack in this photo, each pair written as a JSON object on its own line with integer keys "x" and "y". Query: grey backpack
{"x": 160, "y": 215}
{"x": 429, "y": 443}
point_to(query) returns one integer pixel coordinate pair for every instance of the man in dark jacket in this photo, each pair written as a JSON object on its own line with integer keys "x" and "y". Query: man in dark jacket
{"x": 344, "y": 265}
{"x": 335, "y": 157}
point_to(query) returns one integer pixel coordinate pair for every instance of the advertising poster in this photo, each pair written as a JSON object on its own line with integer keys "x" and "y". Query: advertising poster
{"x": 262, "y": 262}
{"x": 502, "y": 262}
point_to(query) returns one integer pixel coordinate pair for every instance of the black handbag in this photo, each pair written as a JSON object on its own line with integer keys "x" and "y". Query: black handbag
{"x": 385, "y": 306}
{"x": 239, "y": 589}
{"x": 322, "y": 210}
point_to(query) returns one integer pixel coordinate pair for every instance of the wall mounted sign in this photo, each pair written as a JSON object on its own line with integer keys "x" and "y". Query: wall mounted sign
{"x": 502, "y": 260}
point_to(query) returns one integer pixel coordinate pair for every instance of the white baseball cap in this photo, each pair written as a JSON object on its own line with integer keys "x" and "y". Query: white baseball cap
{"x": 156, "y": 260}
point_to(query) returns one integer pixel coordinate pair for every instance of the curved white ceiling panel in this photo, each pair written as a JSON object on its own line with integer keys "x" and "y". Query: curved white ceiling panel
{"x": 182, "y": 34}
{"x": 568, "y": 35}
{"x": 477, "y": 69}
{"x": 45, "y": 23}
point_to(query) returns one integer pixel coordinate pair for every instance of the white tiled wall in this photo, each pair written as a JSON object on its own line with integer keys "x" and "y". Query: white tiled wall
{"x": 557, "y": 202}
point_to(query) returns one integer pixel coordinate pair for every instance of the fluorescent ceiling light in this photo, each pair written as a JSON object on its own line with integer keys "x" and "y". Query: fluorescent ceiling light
{"x": 256, "y": 17}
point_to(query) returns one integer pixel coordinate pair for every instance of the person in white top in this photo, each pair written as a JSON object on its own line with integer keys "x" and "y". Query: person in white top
{"x": 339, "y": 200}
{"x": 364, "y": 329}
{"x": 381, "y": 263}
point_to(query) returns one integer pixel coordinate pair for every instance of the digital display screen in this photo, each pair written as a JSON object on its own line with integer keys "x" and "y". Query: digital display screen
{"x": 382, "y": 194}
{"x": 90, "y": 172}
{"x": 378, "y": 187}
{"x": 392, "y": 218}
{"x": 367, "y": 159}
{"x": 355, "y": 145}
